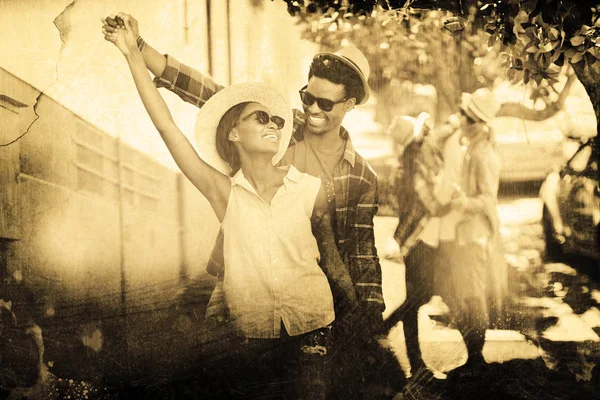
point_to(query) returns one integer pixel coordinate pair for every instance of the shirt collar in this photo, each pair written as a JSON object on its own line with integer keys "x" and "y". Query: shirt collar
{"x": 240, "y": 180}
{"x": 349, "y": 152}
{"x": 298, "y": 136}
{"x": 293, "y": 176}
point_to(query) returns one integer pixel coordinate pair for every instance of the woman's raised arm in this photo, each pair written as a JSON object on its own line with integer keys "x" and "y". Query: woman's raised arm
{"x": 212, "y": 184}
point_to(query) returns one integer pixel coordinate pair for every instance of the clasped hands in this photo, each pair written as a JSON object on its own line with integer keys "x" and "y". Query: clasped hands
{"x": 122, "y": 30}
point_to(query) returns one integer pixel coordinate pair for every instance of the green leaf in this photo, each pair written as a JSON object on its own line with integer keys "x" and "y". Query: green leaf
{"x": 518, "y": 64}
{"x": 546, "y": 60}
{"x": 577, "y": 57}
{"x": 577, "y": 40}
{"x": 594, "y": 51}
{"x": 511, "y": 74}
{"x": 563, "y": 35}
{"x": 532, "y": 48}
{"x": 569, "y": 53}
{"x": 555, "y": 56}
{"x": 548, "y": 47}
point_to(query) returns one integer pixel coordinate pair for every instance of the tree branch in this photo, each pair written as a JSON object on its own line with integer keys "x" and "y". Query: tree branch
{"x": 514, "y": 109}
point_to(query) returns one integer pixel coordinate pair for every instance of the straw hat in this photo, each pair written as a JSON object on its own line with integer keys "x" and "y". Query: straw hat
{"x": 404, "y": 129}
{"x": 355, "y": 59}
{"x": 212, "y": 111}
{"x": 480, "y": 104}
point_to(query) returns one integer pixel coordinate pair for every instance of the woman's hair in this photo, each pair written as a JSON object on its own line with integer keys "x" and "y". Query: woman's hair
{"x": 225, "y": 147}
{"x": 334, "y": 70}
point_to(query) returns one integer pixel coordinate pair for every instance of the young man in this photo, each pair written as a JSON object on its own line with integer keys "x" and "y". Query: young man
{"x": 322, "y": 147}
{"x": 421, "y": 167}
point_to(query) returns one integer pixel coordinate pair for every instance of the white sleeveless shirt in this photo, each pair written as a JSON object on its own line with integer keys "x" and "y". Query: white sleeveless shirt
{"x": 271, "y": 269}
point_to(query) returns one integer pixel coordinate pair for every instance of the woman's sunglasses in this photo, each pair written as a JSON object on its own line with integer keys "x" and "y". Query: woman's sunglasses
{"x": 324, "y": 104}
{"x": 470, "y": 120}
{"x": 263, "y": 117}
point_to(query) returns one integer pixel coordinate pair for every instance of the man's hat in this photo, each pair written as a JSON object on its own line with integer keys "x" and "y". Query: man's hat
{"x": 355, "y": 59}
{"x": 212, "y": 111}
{"x": 480, "y": 104}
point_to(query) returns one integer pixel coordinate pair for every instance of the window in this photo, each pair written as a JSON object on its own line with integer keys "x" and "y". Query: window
{"x": 96, "y": 161}
{"x": 98, "y": 158}
{"x": 140, "y": 178}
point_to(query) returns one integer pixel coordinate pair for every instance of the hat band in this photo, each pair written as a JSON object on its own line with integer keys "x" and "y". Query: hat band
{"x": 353, "y": 63}
{"x": 478, "y": 111}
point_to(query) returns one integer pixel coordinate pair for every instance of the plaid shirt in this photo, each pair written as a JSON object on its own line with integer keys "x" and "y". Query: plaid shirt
{"x": 356, "y": 192}
{"x": 419, "y": 175}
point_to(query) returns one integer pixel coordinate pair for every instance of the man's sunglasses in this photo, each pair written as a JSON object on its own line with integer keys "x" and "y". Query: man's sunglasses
{"x": 324, "y": 104}
{"x": 263, "y": 117}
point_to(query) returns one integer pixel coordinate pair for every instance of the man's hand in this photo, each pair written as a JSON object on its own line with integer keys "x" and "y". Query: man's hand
{"x": 112, "y": 23}
{"x": 372, "y": 320}
{"x": 363, "y": 323}
{"x": 459, "y": 204}
{"x": 123, "y": 37}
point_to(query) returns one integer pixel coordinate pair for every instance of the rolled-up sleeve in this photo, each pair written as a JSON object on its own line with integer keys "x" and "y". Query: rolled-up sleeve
{"x": 186, "y": 82}
{"x": 364, "y": 262}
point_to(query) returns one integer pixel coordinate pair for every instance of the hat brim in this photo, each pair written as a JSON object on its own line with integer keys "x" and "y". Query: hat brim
{"x": 365, "y": 84}
{"x": 472, "y": 112}
{"x": 420, "y": 123}
{"x": 212, "y": 111}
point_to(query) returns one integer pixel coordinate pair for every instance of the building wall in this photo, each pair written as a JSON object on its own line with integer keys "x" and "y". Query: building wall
{"x": 266, "y": 46}
{"x": 99, "y": 243}
{"x": 16, "y": 114}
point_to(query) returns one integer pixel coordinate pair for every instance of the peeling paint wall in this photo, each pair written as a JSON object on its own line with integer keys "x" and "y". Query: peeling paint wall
{"x": 88, "y": 75}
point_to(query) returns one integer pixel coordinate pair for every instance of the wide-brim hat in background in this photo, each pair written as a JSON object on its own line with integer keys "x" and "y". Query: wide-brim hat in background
{"x": 423, "y": 120}
{"x": 405, "y": 129}
{"x": 355, "y": 59}
{"x": 480, "y": 105}
{"x": 212, "y": 111}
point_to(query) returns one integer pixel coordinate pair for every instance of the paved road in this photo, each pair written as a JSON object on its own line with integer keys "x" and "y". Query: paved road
{"x": 549, "y": 351}
{"x": 554, "y": 305}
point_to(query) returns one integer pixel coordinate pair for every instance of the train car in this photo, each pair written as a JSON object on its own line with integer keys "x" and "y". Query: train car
{"x": 101, "y": 247}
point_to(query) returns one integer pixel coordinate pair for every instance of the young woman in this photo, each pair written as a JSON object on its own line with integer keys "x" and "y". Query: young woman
{"x": 276, "y": 292}
{"x": 478, "y": 270}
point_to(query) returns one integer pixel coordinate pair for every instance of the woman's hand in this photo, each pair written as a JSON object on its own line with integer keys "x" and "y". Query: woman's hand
{"x": 458, "y": 204}
{"x": 113, "y": 22}
{"x": 124, "y": 36}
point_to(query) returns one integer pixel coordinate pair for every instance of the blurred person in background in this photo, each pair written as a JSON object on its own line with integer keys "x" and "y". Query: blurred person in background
{"x": 472, "y": 277}
{"x": 417, "y": 233}
{"x": 321, "y": 147}
{"x": 448, "y": 229}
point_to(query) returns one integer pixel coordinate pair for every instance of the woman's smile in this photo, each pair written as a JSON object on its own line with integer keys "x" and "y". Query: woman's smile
{"x": 273, "y": 137}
